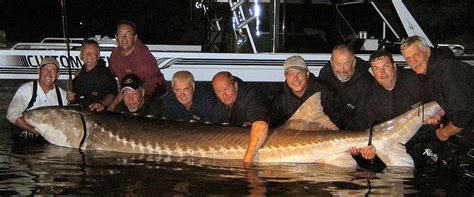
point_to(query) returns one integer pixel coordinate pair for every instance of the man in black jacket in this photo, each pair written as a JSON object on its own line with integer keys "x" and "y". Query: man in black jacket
{"x": 299, "y": 85}
{"x": 240, "y": 105}
{"x": 395, "y": 92}
{"x": 451, "y": 84}
{"x": 350, "y": 77}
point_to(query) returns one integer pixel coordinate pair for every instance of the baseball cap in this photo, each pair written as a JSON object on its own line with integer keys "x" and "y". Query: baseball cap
{"x": 131, "y": 81}
{"x": 295, "y": 61}
{"x": 49, "y": 60}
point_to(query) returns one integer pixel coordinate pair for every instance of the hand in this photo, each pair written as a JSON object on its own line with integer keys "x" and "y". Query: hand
{"x": 367, "y": 152}
{"x": 70, "y": 96}
{"x": 441, "y": 134}
{"x": 96, "y": 106}
{"x": 354, "y": 151}
{"x": 435, "y": 119}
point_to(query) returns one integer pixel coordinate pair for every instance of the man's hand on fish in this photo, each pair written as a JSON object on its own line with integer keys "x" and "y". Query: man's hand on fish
{"x": 436, "y": 118}
{"x": 96, "y": 106}
{"x": 367, "y": 152}
{"x": 70, "y": 96}
{"x": 443, "y": 133}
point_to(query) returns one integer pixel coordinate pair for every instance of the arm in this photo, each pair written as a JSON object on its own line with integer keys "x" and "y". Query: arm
{"x": 105, "y": 102}
{"x": 444, "y": 133}
{"x": 20, "y": 122}
{"x": 153, "y": 79}
{"x": 115, "y": 102}
{"x": 257, "y": 137}
{"x": 71, "y": 96}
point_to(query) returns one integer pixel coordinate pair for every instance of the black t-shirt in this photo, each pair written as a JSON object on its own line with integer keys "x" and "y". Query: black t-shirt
{"x": 247, "y": 108}
{"x": 94, "y": 85}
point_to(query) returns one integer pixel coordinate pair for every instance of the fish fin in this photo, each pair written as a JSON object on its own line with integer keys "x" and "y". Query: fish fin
{"x": 309, "y": 116}
{"x": 341, "y": 160}
{"x": 395, "y": 155}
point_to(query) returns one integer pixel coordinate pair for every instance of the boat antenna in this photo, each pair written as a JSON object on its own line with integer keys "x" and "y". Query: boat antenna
{"x": 66, "y": 36}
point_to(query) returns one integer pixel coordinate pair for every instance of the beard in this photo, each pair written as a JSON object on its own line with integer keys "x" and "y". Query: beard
{"x": 344, "y": 77}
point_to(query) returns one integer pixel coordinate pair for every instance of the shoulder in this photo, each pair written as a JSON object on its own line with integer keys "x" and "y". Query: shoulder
{"x": 61, "y": 90}
{"x": 326, "y": 71}
{"x": 204, "y": 96}
{"x": 169, "y": 98}
{"x": 28, "y": 86}
{"x": 361, "y": 64}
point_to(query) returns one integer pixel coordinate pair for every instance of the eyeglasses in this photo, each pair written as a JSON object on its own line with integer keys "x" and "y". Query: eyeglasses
{"x": 126, "y": 34}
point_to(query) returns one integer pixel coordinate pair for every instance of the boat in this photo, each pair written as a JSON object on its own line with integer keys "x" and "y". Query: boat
{"x": 255, "y": 54}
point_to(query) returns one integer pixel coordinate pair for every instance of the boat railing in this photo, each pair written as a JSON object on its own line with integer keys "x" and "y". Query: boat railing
{"x": 55, "y": 43}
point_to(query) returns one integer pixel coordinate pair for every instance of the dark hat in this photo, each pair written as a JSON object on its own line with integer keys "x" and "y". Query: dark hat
{"x": 49, "y": 60}
{"x": 131, "y": 81}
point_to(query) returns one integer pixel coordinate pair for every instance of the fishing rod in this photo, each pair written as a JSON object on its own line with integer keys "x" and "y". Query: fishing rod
{"x": 66, "y": 36}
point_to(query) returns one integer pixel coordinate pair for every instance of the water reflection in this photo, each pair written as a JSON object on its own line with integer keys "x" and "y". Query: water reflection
{"x": 28, "y": 168}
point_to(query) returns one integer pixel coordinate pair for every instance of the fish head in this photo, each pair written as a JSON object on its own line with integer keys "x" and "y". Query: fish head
{"x": 62, "y": 126}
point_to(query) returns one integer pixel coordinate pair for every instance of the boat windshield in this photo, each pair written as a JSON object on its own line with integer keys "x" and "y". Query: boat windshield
{"x": 303, "y": 26}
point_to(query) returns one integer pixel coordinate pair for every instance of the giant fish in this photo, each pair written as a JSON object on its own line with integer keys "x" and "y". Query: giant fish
{"x": 301, "y": 139}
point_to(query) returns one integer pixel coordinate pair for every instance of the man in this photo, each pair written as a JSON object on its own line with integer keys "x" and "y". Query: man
{"x": 300, "y": 84}
{"x": 185, "y": 103}
{"x": 31, "y": 95}
{"x": 451, "y": 83}
{"x": 350, "y": 77}
{"x": 240, "y": 105}
{"x": 134, "y": 101}
{"x": 450, "y": 80}
{"x": 94, "y": 86}
{"x": 395, "y": 92}
{"x": 132, "y": 56}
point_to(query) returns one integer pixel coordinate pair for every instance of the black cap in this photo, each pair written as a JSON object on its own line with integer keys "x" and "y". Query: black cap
{"x": 131, "y": 81}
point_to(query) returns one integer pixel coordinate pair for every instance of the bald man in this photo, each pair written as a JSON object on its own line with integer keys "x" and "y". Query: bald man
{"x": 240, "y": 105}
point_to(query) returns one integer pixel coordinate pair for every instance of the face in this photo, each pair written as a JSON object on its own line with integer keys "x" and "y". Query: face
{"x": 385, "y": 72}
{"x": 297, "y": 80}
{"x": 126, "y": 38}
{"x": 343, "y": 63}
{"x": 226, "y": 91}
{"x": 48, "y": 75}
{"x": 417, "y": 58}
{"x": 90, "y": 55}
{"x": 133, "y": 99}
{"x": 183, "y": 90}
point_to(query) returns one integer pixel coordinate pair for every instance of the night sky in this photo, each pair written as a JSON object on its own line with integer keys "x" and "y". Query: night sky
{"x": 174, "y": 22}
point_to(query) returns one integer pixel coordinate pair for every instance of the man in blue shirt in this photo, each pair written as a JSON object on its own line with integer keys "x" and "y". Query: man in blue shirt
{"x": 185, "y": 102}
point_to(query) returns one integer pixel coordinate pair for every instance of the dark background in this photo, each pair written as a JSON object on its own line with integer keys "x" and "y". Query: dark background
{"x": 175, "y": 22}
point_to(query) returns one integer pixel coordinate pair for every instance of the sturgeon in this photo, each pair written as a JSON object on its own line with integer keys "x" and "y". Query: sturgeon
{"x": 301, "y": 139}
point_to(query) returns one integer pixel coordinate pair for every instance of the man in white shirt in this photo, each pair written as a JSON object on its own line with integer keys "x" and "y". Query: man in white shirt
{"x": 34, "y": 94}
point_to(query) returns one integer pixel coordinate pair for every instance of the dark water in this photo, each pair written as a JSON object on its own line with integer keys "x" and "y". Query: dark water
{"x": 40, "y": 168}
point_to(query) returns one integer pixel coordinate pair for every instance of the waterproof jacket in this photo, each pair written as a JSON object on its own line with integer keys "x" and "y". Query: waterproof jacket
{"x": 452, "y": 86}
{"x": 383, "y": 105}
{"x": 352, "y": 94}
